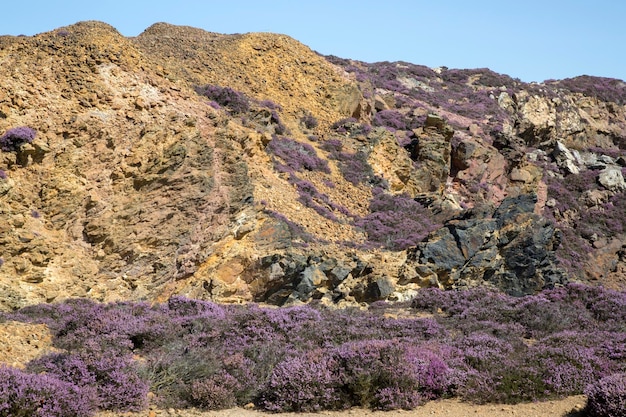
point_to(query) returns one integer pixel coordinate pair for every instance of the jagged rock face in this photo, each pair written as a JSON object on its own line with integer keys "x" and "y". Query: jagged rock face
{"x": 137, "y": 186}
{"x": 512, "y": 249}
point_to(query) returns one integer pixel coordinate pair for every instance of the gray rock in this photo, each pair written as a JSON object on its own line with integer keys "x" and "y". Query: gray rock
{"x": 565, "y": 158}
{"x": 339, "y": 273}
{"x": 512, "y": 249}
{"x": 380, "y": 289}
{"x": 442, "y": 251}
{"x": 606, "y": 159}
{"x": 612, "y": 179}
{"x": 511, "y": 207}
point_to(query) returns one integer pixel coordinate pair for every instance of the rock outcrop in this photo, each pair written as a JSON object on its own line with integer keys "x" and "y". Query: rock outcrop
{"x": 512, "y": 249}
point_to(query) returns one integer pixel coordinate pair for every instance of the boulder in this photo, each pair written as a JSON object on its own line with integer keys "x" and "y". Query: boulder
{"x": 566, "y": 159}
{"x": 612, "y": 179}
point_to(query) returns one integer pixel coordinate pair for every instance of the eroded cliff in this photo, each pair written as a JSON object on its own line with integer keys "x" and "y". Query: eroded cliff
{"x": 337, "y": 180}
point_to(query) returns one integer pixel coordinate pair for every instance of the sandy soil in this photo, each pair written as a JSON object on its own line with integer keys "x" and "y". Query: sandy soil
{"x": 568, "y": 407}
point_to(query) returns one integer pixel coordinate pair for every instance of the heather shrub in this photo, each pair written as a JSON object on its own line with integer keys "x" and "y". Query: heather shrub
{"x": 608, "y": 307}
{"x": 270, "y": 105}
{"x": 486, "y": 77}
{"x": 389, "y": 375}
{"x": 112, "y": 382}
{"x": 508, "y": 370}
{"x": 395, "y": 222}
{"x": 29, "y": 395}
{"x": 607, "y": 220}
{"x": 353, "y": 166}
{"x": 311, "y": 197}
{"x": 218, "y": 362}
{"x": 295, "y": 156}
{"x": 215, "y": 392}
{"x": 115, "y": 328}
{"x": 541, "y": 316}
{"x": 496, "y": 371}
{"x": 602, "y": 88}
{"x": 270, "y": 119}
{"x": 188, "y": 309}
{"x": 233, "y": 100}
{"x": 15, "y": 137}
{"x": 477, "y": 344}
{"x": 607, "y": 397}
{"x": 566, "y": 366}
{"x": 333, "y": 147}
{"x": 355, "y": 169}
{"x": 175, "y": 369}
{"x": 309, "y": 382}
{"x": 309, "y": 121}
{"x": 279, "y": 127}
{"x": 391, "y": 119}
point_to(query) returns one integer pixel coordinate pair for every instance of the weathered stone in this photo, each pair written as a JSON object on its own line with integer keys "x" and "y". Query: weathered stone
{"x": 513, "y": 250}
{"x": 339, "y": 273}
{"x": 510, "y": 208}
{"x": 442, "y": 250}
{"x": 612, "y": 179}
{"x": 521, "y": 175}
{"x": 565, "y": 158}
{"x": 380, "y": 289}
{"x": 595, "y": 198}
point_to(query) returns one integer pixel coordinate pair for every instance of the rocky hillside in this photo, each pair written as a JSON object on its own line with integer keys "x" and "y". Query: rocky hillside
{"x": 249, "y": 168}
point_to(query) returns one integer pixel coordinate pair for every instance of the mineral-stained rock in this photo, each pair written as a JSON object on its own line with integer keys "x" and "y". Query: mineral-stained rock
{"x": 138, "y": 187}
{"x": 513, "y": 250}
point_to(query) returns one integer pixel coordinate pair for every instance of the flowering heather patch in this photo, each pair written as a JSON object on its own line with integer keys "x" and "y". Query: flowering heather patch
{"x": 15, "y": 137}
{"x": 309, "y": 121}
{"x": 477, "y": 344}
{"x": 296, "y": 156}
{"x": 270, "y": 105}
{"x": 612, "y": 152}
{"x": 29, "y": 395}
{"x": 391, "y": 119}
{"x": 389, "y": 375}
{"x": 450, "y": 89}
{"x": 483, "y": 76}
{"x": 355, "y": 169}
{"x": 279, "y": 127}
{"x": 227, "y": 97}
{"x": 606, "y": 220}
{"x": 333, "y": 147}
{"x": 607, "y": 397}
{"x": 395, "y": 222}
{"x": 605, "y": 89}
{"x": 304, "y": 383}
{"x": 320, "y": 202}
{"x": 353, "y": 166}
{"x": 111, "y": 382}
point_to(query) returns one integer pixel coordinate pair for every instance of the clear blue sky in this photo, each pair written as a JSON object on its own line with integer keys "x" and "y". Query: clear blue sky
{"x": 532, "y": 40}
